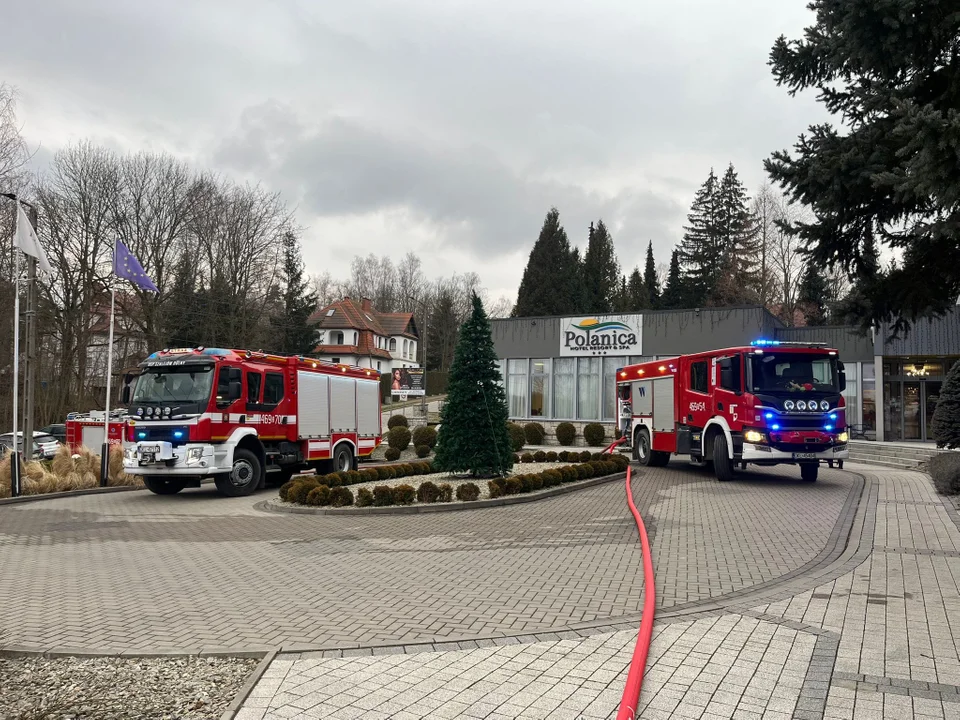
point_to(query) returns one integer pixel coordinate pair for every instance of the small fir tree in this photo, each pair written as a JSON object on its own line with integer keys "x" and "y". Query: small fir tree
{"x": 473, "y": 423}
{"x": 637, "y": 297}
{"x": 293, "y": 333}
{"x": 601, "y": 271}
{"x": 650, "y": 280}
{"x": 674, "y": 292}
{"x": 946, "y": 416}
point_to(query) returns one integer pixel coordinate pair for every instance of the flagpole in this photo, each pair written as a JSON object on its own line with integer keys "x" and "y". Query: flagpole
{"x": 105, "y": 450}
{"x": 15, "y": 452}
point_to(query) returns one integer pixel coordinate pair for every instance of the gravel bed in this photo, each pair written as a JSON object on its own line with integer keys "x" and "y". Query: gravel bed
{"x": 456, "y": 480}
{"x": 74, "y": 688}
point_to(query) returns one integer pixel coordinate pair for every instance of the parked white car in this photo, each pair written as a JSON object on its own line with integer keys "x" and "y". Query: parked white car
{"x": 48, "y": 444}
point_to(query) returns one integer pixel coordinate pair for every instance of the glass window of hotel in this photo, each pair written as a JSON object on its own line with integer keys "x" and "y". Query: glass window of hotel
{"x": 851, "y": 396}
{"x": 565, "y": 388}
{"x": 869, "y": 381}
{"x": 539, "y": 388}
{"x": 610, "y": 365}
{"x": 517, "y": 387}
{"x": 588, "y": 388}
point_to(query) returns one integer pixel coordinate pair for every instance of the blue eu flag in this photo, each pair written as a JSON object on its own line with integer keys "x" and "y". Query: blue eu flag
{"x": 126, "y": 266}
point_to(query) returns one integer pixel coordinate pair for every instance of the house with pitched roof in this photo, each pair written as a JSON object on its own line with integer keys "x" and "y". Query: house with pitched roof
{"x": 359, "y": 335}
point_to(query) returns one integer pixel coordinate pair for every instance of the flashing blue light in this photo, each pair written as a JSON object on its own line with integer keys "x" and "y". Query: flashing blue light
{"x": 765, "y": 343}
{"x": 178, "y": 434}
{"x": 776, "y": 427}
{"x": 216, "y": 351}
{"x": 769, "y": 416}
{"x": 833, "y": 417}
{"x": 828, "y": 427}
{"x": 141, "y": 436}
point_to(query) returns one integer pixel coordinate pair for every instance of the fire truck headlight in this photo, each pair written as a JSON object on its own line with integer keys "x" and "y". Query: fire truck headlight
{"x": 139, "y": 412}
{"x": 842, "y": 437}
{"x": 194, "y": 455}
{"x": 790, "y": 405}
{"x": 753, "y": 436}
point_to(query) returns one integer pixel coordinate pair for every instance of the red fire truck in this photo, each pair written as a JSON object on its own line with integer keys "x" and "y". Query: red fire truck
{"x": 770, "y": 403}
{"x": 245, "y": 417}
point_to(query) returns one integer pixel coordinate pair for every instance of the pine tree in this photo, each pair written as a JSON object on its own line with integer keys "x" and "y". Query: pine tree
{"x": 650, "y": 280}
{"x": 738, "y": 233}
{"x": 637, "y": 296}
{"x": 674, "y": 292}
{"x": 550, "y": 283}
{"x": 293, "y": 334}
{"x": 473, "y": 423}
{"x": 701, "y": 249}
{"x": 888, "y": 71}
{"x": 946, "y": 416}
{"x": 601, "y": 271}
{"x": 813, "y": 295}
{"x": 621, "y": 298}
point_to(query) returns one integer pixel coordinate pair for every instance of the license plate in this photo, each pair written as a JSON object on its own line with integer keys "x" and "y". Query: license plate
{"x": 804, "y": 456}
{"x": 150, "y": 449}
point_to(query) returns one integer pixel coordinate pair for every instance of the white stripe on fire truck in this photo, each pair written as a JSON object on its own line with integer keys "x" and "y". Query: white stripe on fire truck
{"x": 319, "y": 444}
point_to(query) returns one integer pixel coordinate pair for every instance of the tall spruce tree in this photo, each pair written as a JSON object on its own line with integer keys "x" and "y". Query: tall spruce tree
{"x": 650, "y": 280}
{"x": 739, "y": 240}
{"x": 946, "y": 416}
{"x": 637, "y": 296}
{"x": 473, "y": 422}
{"x": 889, "y": 71}
{"x": 601, "y": 271}
{"x": 293, "y": 333}
{"x": 701, "y": 249}
{"x": 550, "y": 284}
{"x": 813, "y": 294}
{"x": 675, "y": 295}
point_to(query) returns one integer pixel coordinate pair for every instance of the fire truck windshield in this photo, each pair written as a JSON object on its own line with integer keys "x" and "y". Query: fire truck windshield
{"x": 793, "y": 373}
{"x": 188, "y": 384}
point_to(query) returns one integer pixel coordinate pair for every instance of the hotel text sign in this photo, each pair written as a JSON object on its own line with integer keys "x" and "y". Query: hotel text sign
{"x": 596, "y": 336}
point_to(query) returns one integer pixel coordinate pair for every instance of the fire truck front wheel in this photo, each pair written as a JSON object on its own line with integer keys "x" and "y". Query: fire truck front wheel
{"x": 809, "y": 471}
{"x": 244, "y": 476}
{"x": 722, "y": 464}
{"x": 163, "y": 486}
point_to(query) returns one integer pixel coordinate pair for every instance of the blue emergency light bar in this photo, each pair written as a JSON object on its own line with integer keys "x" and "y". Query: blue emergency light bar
{"x": 764, "y": 343}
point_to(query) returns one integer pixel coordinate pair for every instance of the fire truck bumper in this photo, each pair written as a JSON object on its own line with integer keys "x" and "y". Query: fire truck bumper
{"x": 766, "y": 453}
{"x": 161, "y": 458}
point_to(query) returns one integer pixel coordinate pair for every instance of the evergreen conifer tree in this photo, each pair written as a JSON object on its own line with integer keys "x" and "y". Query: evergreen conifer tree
{"x": 946, "y": 416}
{"x": 650, "y": 280}
{"x": 674, "y": 293}
{"x": 601, "y": 271}
{"x": 812, "y": 295}
{"x": 550, "y": 284}
{"x": 637, "y": 296}
{"x": 293, "y": 333}
{"x": 701, "y": 249}
{"x": 473, "y": 423}
{"x": 739, "y": 240}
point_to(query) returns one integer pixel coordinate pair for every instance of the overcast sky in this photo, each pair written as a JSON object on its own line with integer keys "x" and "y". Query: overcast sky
{"x": 447, "y": 127}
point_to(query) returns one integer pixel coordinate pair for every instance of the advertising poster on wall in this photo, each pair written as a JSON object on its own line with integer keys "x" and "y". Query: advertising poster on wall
{"x": 595, "y": 336}
{"x": 408, "y": 381}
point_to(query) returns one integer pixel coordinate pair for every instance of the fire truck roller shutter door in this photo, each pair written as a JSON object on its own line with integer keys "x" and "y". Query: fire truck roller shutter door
{"x": 642, "y": 395}
{"x": 343, "y": 404}
{"x": 663, "y": 408}
{"x": 313, "y": 413}
{"x": 369, "y": 405}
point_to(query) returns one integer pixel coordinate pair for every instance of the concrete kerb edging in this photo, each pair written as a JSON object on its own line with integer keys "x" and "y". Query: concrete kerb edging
{"x": 275, "y": 506}
{"x": 67, "y": 494}
{"x": 244, "y": 692}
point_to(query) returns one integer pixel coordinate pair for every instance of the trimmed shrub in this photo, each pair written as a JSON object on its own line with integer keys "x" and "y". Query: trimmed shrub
{"x": 408, "y": 470}
{"x": 404, "y": 494}
{"x": 584, "y": 471}
{"x": 594, "y": 433}
{"x": 341, "y": 497}
{"x": 620, "y": 461}
{"x": 513, "y": 486}
{"x": 285, "y": 488}
{"x": 370, "y": 475}
{"x": 468, "y": 492}
{"x": 428, "y": 492}
{"x": 494, "y": 489}
{"x": 501, "y": 483}
{"x": 552, "y": 478}
{"x": 397, "y": 421}
{"x": 298, "y": 493}
{"x": 563, "y": 456}
{"x": 598, "y": 457}
{"x": 425, "y": 435}
{"x": 516, "y": 459}
{"x": 382, "y": 495}
{"x": 399, "y": 438}
{"x": 945, "y": 471}
{"x": 552, "y": 456}
{"x": 392, "y": 454}
{"x": 423, "y": 451}
{"x": 517, "y": 438}
{"x": 534, "y": 433}
{"x": 392, "y": 473}
{"x": 585, "y": 456}
{"x": 382, "y": 472}
{"x": 569, "y": 473}
{"x": 446, "y": 492}
{"x": 539, "y": 456}
{"x": 320, "y": 495}
{"x": 526, "y": 458}
{"x": 566, "y": 434}
{"x": 532, "y": 483}
{"x": 364, "y": 497}
{"x": 352, "y": 477}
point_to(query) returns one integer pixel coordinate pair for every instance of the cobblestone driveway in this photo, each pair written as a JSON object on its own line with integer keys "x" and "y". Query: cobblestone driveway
{"x": 134, "y": 571}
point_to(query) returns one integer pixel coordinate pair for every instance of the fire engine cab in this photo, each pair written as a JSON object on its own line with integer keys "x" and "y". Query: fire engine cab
{"x": 770, "y": 403}
{"x": 245, "y": 418}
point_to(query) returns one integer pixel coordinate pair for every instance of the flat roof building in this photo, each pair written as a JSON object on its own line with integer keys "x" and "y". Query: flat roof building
{"x": 564, "y": 369}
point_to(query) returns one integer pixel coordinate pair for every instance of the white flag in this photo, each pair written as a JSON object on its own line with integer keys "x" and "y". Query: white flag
{"x": 26, "y": 239}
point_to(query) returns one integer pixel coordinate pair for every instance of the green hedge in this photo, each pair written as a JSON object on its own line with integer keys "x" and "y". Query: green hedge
{"x": 610, "y": 465}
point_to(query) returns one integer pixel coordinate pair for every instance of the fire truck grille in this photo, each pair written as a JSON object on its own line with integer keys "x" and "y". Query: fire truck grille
{"x": 813, "y": 422}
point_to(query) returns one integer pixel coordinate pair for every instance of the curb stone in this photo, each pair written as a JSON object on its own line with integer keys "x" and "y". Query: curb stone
{"x": 67, "y": 494}
{"x": 275, "y": 506}
{"x": 244, "y": 692}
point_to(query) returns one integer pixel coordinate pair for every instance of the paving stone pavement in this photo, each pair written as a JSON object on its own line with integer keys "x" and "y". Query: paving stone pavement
{"x": 138, "y": 572}
{"x": 879, "y": 639}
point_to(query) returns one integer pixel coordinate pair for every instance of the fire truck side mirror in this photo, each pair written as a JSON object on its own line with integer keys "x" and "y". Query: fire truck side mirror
{"x": 125, "y": 395}
{"x": 843, "y": 377}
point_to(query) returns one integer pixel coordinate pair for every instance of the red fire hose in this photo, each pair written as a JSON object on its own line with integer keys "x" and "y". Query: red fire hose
{"x": 631, "y": 691}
